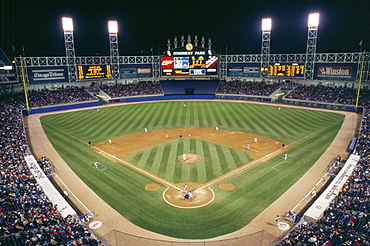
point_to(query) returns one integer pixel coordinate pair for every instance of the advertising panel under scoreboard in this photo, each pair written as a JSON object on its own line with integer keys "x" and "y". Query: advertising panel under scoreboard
{"x": 189, "y": 61}
{"x": 94, "y": 71}
{"x": 286, "y": 70}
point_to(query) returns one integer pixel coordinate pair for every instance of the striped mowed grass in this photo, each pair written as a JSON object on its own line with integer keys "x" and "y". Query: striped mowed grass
{"x": 162, "y": 160}
{"x": 309, "y": 133}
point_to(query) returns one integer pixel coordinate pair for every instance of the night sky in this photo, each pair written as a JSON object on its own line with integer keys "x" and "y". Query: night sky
{"x": 34, "y": 27}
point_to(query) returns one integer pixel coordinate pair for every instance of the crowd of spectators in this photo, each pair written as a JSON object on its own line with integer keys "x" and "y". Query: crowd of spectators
{"x": 347, "y": 220}
{"x": 133, "y": 89}
{"x": 247, "y": 88}
{"x": 29, "y": 218}
{"x": 69, "y": 94}
{"x": 46, "y": 166}
{"x": 329, "y": 94}
{"x": 27, "y": 215}
{"x": 335, "y": 166}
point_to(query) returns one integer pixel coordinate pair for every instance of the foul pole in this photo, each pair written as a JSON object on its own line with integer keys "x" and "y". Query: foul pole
{"x": 360, "y": 78}
{"x": 24, "y": 84}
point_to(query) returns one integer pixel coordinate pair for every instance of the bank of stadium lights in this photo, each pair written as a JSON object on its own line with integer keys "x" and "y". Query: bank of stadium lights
{"x": 313, "y": 20}
{"x": 265, "y": 47}
{"x": 266, "y": 24}
{"x": 67, "y": 24}
{"x": 313, "y": 24}
{"x": 112, "y": 27}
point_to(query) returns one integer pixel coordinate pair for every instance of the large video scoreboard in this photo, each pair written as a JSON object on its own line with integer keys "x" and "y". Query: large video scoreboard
{"x": 189, "y": 61}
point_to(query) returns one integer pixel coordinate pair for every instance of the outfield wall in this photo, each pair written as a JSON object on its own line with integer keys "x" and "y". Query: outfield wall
{"x": 310, "y": 104}
{"x": 63, "y": 107}
{"x": 194, "y": 97}
{"x": 116, "y": 100}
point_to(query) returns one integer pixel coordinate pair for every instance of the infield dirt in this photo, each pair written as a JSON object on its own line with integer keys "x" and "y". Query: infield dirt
{"x": 265, "y": 221}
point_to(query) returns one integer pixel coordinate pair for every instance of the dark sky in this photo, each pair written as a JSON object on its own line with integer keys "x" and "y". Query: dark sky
{"x": 236, "y": 24}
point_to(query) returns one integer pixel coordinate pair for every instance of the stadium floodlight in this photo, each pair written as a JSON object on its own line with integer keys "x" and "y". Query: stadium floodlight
{"x": 112, "y": 27}
{"x": 266, "y": 24}
{"x": 67, "y": 24}
{"x": 313, "y": 20}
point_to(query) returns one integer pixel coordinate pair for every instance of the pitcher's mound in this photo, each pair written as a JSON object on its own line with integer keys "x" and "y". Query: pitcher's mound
{"x": 189, "y": 158}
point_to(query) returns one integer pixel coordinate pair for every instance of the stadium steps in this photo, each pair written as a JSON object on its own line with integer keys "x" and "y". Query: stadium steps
{"x": 98, "y": 93}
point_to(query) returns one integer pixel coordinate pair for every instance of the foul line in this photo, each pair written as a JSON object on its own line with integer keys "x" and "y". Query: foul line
{"x": 309, "y": 136}
{"x": 146, "y": 173}
{"x": 163, "y": 181}
{"x": 240, "y": 169}
{"x": 319, "y": 130}
{"x": 61, "y": 131}
{"x": 212, "y": 182}
{"x": 250, "y": 164}
{"x": 277, "y": 165}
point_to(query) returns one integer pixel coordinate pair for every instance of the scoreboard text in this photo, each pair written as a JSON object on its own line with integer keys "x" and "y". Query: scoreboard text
{"x": 286, "y": 70}
{"x": 94, "y": 72}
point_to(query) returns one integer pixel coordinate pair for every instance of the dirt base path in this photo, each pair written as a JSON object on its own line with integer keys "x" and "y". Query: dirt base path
{"x": 112, "y": 220}
{"x": 259, "y": 148}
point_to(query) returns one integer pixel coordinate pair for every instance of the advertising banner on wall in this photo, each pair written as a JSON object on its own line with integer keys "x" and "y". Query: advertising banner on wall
{"x": 243, "y": 70}
{"x": 50, "y": 74}
{"x": 336, "y": 71}
{"x": 135, "y": 71}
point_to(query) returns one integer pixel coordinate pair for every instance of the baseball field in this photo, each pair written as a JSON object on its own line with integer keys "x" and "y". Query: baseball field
{"x": 136, "y": 160}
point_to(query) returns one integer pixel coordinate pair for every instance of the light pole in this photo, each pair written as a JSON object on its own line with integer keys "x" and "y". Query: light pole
{"x": 265, "y": 47}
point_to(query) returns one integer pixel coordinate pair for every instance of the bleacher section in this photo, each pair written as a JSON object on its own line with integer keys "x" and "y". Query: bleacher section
{"x": 189, "y": 87}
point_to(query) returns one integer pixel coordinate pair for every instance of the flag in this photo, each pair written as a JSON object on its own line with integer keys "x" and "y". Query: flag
{"x": 360, "y": 43}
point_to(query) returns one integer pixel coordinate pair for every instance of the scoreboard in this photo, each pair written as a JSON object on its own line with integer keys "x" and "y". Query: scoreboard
{"x": 94, "y": 71}
{"x": 286, "y": 70}
{"x": 189, "y": 61}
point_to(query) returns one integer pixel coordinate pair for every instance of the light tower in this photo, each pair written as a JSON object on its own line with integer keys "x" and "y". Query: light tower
{"x": 313, "y": 24}
{"x": 113, "y": 47}
{"x": 70, "y": 48}
{"x": 265, "y": 50}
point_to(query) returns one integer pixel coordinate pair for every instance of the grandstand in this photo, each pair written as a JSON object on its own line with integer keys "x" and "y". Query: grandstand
{"x": 26, "y": 202}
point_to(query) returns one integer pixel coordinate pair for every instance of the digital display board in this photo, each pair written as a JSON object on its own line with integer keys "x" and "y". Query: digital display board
{"x": 94, "y": 72}
{"x": 189, "y": 61}
{"x": 286, "y": 70}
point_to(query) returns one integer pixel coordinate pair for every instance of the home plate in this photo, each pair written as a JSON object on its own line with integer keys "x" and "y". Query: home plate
{"x": 283, "y": 226}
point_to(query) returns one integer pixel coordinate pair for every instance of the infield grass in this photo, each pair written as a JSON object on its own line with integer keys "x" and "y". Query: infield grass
{"x": 309, "y": 132}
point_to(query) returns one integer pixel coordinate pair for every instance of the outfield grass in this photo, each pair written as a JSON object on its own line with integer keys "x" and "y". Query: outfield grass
{"x": 309, "y": 132}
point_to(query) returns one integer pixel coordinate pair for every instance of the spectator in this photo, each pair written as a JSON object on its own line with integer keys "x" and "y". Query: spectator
{"x": 247, "y": 88}
{"x": 133, "y": 89}
{"x": 27, "y": 216}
